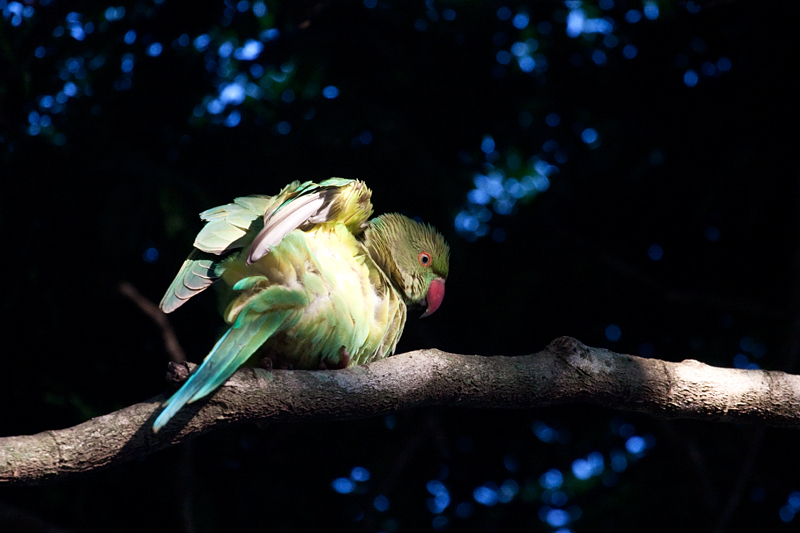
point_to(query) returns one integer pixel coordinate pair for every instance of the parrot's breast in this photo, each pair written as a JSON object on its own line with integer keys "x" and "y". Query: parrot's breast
{"x": 350, "y": 304}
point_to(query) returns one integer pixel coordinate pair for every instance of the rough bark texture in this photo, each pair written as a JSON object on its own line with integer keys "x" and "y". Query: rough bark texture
{"x": 564, "y": 372}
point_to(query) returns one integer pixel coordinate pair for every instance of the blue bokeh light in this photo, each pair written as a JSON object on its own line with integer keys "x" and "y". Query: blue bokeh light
{"x": 270, "y": 34}
{"x": 526, "y": 64}
{"x": 225, "y": 49}
{"x": 330, "y": 92}
{"x": 552, "y": 479}
{"x": 507, "y": 491}
{"x": 575, "y": 21}
{"x": 232, "y": 93}
{"x": 712, "y": 233}
{"x": 359, "y": 473}
{"x": 519, "y": 49}
{"x": 613, "y": 332}
{"x": 578, "y": 23}
{"x": 740, "y": 360}
{"x": 581, "y": 469}
{"x": 464, "y": 510}
{"x": 343, "y": 485}
{"x": 655, "y": 252}
{"x": 487, "y": 144}
{"x": 154, "y": 50}
{"x": 288, "y": 96}
{"x": 794, "y": 500}
{"x": 250, "y": 51}
{"x": 201, "y": 42}
{"x": 114, "y": 13}
{"x": 439, "y": 503}
{"x": 150, "y": 255}
{"x": 619, "y": 462}
{"x": 633, "y": 16}
{"x": 127, "y": 63}
{"x": 635, "y": 445}
{"x": 543, "y": 432}
{"x": 440, "y": 523}
{"x": 521, "y": 20}
{"x": 589, "y": 136}
{"x": 552, "y": 119}
{"x": 259, "y": 9}
{"x": 690, "y": 78}
{"x": 599, "y": 57}
{"x": 556, "y": 517}
{"x": 485, "y": 495}
{"x": 651, "y": 10}
{"x": 479, "y": 197}
{"x": 381, "y": 503}
{"x": 233, "y": 119}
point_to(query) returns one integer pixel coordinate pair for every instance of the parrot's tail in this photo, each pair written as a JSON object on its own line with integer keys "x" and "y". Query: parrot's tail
{"x": 230, "y": 352}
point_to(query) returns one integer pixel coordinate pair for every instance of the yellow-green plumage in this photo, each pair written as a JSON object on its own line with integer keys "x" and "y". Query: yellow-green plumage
{"x": 307, "y": 280}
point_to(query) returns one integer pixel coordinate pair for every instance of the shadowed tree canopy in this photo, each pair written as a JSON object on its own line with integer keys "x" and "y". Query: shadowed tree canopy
{"x": 617, "y": 171}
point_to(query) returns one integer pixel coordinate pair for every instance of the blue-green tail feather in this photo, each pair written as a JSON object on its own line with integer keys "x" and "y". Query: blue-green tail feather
{"x": 230, "y": 352}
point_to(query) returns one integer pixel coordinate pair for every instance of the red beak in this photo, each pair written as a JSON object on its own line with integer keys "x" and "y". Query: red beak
{"x": 434, "y": 297}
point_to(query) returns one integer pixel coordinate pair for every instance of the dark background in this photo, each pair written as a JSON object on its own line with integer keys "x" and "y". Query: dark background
{"x": 671, "y": 232}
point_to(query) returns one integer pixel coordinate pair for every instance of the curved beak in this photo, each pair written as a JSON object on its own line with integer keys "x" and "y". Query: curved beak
{"x": 434, "y": 297}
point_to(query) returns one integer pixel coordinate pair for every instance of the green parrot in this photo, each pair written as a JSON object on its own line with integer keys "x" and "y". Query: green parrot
{"x": 308, "y": 281}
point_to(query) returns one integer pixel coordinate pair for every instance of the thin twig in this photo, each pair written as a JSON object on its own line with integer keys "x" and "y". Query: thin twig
{"x": 171, "y": 343}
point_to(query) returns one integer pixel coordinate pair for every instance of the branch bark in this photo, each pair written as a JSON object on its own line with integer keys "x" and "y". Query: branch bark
{"x": 565, "y": 372}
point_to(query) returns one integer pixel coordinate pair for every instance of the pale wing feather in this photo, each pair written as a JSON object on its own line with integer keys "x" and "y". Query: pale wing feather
{"x": 311, "y": 208}
{"x": 226, "y": 228}
{"x": 196, "y": 274}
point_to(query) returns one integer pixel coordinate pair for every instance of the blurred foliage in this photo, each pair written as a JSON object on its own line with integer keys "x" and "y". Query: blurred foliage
{"x": 616, "y": 170}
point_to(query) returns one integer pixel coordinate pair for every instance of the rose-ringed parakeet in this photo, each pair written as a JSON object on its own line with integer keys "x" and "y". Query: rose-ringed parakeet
{"x": 309, "y": 281}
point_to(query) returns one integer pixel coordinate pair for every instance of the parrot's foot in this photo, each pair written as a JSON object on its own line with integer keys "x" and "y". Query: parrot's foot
{"x": 344, "y": 361}
{"x": 273, "y": 361}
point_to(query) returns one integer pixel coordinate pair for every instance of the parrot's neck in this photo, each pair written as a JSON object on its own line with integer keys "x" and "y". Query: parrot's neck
{"x": 377, "y": 244}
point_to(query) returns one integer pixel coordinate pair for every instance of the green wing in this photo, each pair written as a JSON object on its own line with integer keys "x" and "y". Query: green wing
{"x": 226, "y": 231}
{"x": 261, "y": 222}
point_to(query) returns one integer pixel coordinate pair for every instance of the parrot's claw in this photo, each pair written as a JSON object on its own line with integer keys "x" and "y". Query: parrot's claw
{"x": 344, "y": 361}
{"x": 266, "y": 363}
{"x": 273, "y": 361}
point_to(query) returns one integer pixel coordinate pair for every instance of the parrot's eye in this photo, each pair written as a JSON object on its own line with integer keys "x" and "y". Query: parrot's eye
{"x": 424, "y": 259}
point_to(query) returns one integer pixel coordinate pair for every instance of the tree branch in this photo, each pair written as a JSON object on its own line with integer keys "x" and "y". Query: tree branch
{"x": 564, "y": 372}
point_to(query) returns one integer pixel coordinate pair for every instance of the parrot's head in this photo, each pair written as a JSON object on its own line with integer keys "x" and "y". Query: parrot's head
{"x": 414, "y": 256}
